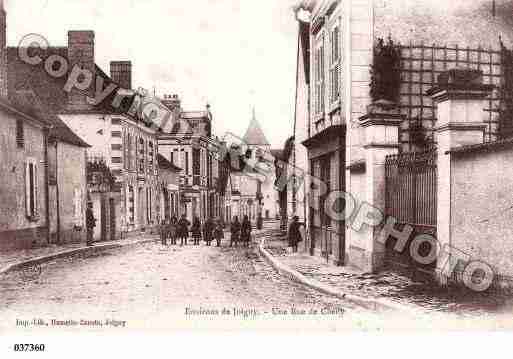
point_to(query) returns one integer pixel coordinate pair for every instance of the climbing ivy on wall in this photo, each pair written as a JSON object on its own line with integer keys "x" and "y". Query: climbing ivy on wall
{"x": 385, "y": 71}
{"x": 506, "y": 110}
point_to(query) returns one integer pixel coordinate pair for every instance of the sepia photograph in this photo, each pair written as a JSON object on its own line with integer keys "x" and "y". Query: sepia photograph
{"x": 213, "y": 166}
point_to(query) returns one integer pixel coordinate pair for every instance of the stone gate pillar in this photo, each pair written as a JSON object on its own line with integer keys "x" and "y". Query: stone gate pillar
{"x": 381, "y": 130}
{"x": 460, "y": 99}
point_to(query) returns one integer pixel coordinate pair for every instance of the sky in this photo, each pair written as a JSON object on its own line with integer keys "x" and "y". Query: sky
{"x": 233, "y": 54}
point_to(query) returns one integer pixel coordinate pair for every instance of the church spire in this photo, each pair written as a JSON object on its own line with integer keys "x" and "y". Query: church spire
{"x": 255, "y": 135}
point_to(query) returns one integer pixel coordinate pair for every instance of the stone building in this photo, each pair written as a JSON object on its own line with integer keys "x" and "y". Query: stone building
{"x": 44, "y": 192}
{"x": 190, "y": 145}
{"x": 338, "y": 136}
{"x": 24, "y": 215}
{"x": 67, "y": 180}
{"x": 253, "y": 177}
{"x": 118, "y": 137}
{"x": 169, "y": 177}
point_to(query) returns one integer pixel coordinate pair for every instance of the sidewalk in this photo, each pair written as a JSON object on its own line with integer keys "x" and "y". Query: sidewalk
{"x": 389, "y": 285}
{"x": 11, "y": 260}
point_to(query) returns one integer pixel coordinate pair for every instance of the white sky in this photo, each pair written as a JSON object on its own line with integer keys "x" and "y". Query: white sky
{"x": 231, "y": 53}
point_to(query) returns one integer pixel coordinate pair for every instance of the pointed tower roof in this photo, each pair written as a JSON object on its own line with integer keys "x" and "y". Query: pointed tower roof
{"x": 254, "y": 135}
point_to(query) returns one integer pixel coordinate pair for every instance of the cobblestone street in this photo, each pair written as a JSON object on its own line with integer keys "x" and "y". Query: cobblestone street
{"x": 152, "y": 286}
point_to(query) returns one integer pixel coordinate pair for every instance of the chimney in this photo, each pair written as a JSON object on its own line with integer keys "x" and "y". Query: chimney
{"x": 81, "y": 53}
{"x": 3, "y": 51}
{"x": 121, "y": 73}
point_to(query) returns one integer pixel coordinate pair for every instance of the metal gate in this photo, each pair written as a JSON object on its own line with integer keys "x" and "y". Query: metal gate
{"x": 411, "y": 196}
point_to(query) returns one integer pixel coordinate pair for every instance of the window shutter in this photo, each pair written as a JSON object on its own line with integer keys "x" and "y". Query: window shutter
{"x": 27, "y": 189}
{"x": 127, "y": 203}
{"x": 125, "y": 150}
{"x": 36, "y": 189}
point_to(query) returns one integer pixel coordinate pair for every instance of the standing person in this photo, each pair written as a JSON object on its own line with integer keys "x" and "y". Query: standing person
{"x": 295, "y": 233}
{"x": 173, "y": 230}
{"x": 219, "y": 232}
{"x": 246, "y": 231}
{"x": 208, "y": 231}
{"x": 90, "y": 224}
{"x": 235, "y": 231}
{"x": 163, "y": 232}
{"x": 183, "y": 229}
{"x": 196, "y": 231}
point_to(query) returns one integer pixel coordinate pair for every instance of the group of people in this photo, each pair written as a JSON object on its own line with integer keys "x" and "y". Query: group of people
{"x": 175, "y": 230}
{"x": 240, "y": 232}
{"x": 211, "y": 230}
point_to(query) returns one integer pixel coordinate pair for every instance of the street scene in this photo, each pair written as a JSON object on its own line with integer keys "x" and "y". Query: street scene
{"x": 157, "y": 291}
{"x": 297, "y": 164}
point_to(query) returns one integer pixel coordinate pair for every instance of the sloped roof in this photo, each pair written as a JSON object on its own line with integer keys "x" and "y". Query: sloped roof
{"x": 23, "y": 76}
{"x": 27, "y": 101}
{"x": 254, "y": 135}
{"x": 8, "y": 106}
{"x": 49, "y": 89}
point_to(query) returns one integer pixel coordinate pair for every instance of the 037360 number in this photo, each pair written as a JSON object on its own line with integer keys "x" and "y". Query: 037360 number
{"x": 29, "y": 347}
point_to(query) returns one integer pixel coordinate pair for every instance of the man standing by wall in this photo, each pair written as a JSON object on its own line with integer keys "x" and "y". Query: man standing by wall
{"x": 90, "y": 224}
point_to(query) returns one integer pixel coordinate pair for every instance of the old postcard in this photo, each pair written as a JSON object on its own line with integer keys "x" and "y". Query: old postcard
{"x": 312, "y": 165}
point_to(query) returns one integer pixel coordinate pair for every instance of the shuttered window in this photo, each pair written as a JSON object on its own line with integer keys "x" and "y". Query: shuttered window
{"x": 31, "y": 189}
{"x": 319, "y": 76}
{"x": 20, "y": 134}
{"x": 335, "y": 64}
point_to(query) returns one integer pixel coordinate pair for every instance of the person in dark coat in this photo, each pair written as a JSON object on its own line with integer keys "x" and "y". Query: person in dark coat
{"x": 219, "y": 232}
{"x": 246, "y": 231}
{"x": 172, "y": 230}
{"x": 163, "y": 232}
{"x": 196, "y": 231}
{"x": 235, "y": 231}
{"x": 90, "y": 224}
{"x": 183, "y": 230}
{"x": 208, "y": 231}
{"x": 295, "y": 233}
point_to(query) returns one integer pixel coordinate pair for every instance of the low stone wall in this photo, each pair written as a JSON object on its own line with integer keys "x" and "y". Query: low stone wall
{"x": 482, "y": 208}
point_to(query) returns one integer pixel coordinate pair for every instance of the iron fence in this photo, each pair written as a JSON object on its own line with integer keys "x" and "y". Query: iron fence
{"x": 411, "y": 188}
